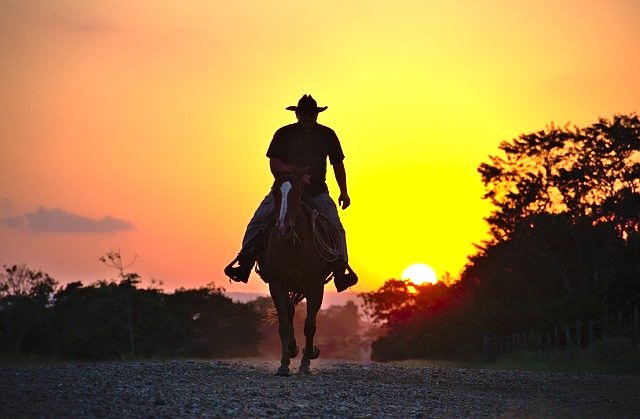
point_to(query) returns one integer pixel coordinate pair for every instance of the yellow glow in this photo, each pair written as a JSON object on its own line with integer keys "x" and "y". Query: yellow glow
{"x": 420, "y": 273}
{"x": 160, "y": 113}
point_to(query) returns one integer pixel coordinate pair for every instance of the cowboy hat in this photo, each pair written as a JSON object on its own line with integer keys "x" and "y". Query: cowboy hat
{"x": 307, "y": 104}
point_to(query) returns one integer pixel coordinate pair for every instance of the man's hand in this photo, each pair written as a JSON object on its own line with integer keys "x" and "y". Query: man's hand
{"x": 341, "y": 177}
{"x": 344, "y": 201}
{"x": 302, "y": 173}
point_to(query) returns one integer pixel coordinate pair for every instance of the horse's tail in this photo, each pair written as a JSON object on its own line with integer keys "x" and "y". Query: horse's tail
{"x": 271, "y": 315}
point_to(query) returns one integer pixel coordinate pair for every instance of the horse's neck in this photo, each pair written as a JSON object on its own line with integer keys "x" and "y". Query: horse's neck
{"x": 302, "y": 223}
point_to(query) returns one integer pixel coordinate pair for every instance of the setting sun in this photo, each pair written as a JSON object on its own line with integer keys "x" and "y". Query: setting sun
{"x": 420, "y": 273}
{"x": 103, "y": 97}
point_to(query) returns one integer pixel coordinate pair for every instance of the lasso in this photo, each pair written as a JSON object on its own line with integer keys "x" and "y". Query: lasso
{"x": 325, "y": 237}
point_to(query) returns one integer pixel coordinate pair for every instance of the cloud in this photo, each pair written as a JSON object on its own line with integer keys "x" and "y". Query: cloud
{"x": 60, "y": 221}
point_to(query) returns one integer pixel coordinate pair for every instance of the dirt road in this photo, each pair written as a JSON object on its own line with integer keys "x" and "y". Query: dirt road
{"x": 335, "y": 389}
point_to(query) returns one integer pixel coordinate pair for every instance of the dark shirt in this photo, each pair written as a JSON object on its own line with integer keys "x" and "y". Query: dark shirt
{"x": 293, "y": 145}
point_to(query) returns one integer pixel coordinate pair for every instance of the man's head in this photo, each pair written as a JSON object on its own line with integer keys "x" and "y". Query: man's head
{"x": 307, "y": 110}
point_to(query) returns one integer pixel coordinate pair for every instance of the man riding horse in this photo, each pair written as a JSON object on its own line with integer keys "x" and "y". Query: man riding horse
{"x": 301, "y": 149}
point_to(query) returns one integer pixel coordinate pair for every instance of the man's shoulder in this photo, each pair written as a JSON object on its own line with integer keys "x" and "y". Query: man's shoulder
{"x": 326, "y": 130}
{"x": 293, "y": 129}
{"x": 286, "y": 128}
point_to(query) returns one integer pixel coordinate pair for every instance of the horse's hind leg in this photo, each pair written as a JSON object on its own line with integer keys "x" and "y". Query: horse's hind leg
{"x": 310, "y": 350}
{"x": 280, "y": 301}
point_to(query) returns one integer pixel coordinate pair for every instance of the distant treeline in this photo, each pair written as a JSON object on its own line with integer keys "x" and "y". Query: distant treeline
{"x": 564, "y": 248}
{"x": 341, "y": 331}
{"x": 118, "y": 319}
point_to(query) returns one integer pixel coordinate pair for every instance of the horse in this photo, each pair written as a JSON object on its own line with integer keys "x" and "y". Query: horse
{"x": 294, "y": 270}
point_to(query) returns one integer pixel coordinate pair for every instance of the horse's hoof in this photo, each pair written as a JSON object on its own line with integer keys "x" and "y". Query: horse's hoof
{"x": 313, "y": 354}
{"x": 283, "y": 372}
{"x": 293, "y": 353}
{"x": 304, "y": 369}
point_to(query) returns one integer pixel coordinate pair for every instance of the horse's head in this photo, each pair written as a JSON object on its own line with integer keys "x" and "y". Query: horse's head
{"x": 287, "y": 193}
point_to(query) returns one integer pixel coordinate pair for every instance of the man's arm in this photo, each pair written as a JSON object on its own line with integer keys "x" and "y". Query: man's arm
{"x": 341, "y": 177}
{"x": 278, "y": 167}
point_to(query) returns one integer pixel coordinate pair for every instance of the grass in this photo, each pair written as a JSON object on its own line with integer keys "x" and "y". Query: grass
{"x": 11, "y": 359}
{"x": 611, "y": 356}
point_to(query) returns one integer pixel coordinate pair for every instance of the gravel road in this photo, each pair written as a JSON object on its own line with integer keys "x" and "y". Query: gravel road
{"x": 335, "y": 389}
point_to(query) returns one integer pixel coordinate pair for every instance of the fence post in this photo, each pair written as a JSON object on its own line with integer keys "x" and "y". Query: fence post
{"x": 620, "y": 326}
{"x": 531, "y": 341}
{"x": 605, "y": 323}
{"x": 567, "y": 336}
{"x": 556, "y": 338}
{"x": 636, "y": 326}
{"x": 578, "y": 333}
{"x": 590, "y": 332}
{"x": 485, "y": 347}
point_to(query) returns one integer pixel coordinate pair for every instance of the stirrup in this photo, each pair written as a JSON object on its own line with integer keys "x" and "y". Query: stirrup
{"x": 237, "y": 273}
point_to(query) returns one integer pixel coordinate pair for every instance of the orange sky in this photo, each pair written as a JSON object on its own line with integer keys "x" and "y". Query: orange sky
{"x": 158, "y": 113}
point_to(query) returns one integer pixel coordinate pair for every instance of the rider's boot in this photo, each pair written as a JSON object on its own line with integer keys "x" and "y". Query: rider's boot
{"x": 343, "y": 276}
{"x": 246, "y": 259}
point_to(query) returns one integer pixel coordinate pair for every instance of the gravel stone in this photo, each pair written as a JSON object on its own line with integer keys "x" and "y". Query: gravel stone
{"x": 248, "y": 388}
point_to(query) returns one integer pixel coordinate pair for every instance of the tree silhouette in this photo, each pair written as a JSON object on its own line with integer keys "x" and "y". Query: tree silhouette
{"x": 591, "y": 173}
{"x": 567, "y": 217}
{"x": 564, "y": 246}
{"x": 118, "y": 319}
{"x": 210, "y": 324}
{"x": 25, "y": 295}
{"x": 391, "y": 304}
{"x": 127, "y": 288}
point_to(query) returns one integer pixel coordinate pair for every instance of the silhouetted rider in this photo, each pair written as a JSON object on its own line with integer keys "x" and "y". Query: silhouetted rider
{"x": 305, "y": 144}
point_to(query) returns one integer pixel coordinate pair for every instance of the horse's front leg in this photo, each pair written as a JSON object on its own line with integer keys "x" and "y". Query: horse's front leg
{"x": 280, "y": 298}
{"x": 310, "y": 350}
{"x": 293, "y": 345}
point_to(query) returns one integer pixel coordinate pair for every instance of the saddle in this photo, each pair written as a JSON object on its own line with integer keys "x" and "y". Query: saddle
{"x": 326, "y": 239}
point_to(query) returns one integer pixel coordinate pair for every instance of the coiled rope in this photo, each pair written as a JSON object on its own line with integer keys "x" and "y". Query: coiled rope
{"x": 326, "y": 238}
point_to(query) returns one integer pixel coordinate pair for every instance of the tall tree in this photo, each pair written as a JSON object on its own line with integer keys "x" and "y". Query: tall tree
{"x": 591, "y": 173}
{"x": 566, "y": 220}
